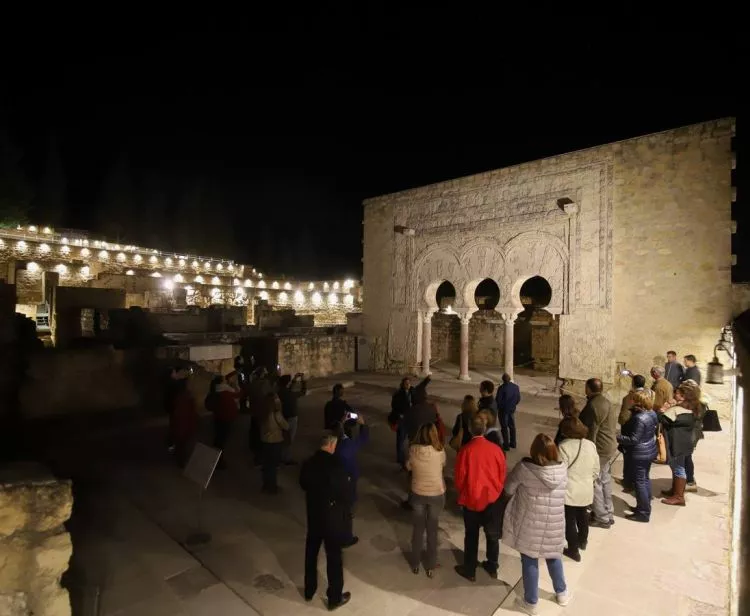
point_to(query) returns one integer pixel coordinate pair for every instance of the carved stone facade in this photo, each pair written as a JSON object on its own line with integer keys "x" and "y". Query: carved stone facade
{"x": 620, "y": 232}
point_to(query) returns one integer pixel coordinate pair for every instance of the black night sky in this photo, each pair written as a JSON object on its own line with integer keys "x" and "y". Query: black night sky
{"x": 258, "y": 136}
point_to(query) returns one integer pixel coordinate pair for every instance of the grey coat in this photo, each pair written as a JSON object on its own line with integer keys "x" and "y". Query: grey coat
{"x": 534, "y": 522}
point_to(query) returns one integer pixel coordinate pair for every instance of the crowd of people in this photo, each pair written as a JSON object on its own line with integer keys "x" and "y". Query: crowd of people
{"x": 543, "y": 507}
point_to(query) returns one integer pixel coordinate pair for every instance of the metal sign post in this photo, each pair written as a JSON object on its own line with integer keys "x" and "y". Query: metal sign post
{"x": 200, "y": 469}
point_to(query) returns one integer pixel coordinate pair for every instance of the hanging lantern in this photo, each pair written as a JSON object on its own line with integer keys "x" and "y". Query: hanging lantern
{"x": 715, "y": 372}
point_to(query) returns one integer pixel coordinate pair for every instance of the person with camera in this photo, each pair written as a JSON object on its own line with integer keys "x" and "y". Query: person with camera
{"x": 347, "y": 450}
{"x": 336, "y": 409}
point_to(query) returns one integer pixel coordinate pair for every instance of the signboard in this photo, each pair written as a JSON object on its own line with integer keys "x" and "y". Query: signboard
{"x": 202, "y": 464}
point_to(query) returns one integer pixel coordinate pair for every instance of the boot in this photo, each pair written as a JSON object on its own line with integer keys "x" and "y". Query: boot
{"x": 669, "y": 492}
{"x": 679, "y": 493}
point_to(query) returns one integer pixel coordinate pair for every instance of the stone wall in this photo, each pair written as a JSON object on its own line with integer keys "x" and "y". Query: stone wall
{"x": 34, "y": 546}
{"x": 486, "y": 338}
{"x": 316, "y": 356}
{"x": 606, "y": 227}
{"x": 446, "y": 337}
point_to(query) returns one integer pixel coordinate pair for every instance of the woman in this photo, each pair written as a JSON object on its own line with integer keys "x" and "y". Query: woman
{"x": 691, "y": 486}
{"x": 461, "y": 433}
{"x": 582, "y": 462}
{"x": 427, "y": 496}
{"x": 679, "y": 423}
{"x": 637, "y": 441}
{"x": 272, "y": 427}
{"x": 224, "y": 401}
{"x": 567, "y": 406}
{"x": 534, "y": 522}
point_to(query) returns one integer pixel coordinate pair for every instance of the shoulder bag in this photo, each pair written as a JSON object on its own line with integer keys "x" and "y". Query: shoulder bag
{"x": 580, "y": 444}
{"x": 661, "y": 446}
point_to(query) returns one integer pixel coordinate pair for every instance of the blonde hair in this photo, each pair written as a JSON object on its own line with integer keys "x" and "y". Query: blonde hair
{"x": 469, "y": 405}
{"x": 428, "y": 435}
{"x": 488, "y": 417}
{"x": 642, "y": 399}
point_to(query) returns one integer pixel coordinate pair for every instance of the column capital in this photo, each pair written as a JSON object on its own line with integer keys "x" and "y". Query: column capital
{"x": 509, "y": 317}
{"x": 427, "y": 315}
{"x": 465, "y": 317}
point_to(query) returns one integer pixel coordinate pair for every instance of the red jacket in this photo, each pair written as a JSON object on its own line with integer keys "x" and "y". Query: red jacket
{"x": 480, "y": 473}
{"x": 184, "y": 420}
{"x": 227, "y": 407}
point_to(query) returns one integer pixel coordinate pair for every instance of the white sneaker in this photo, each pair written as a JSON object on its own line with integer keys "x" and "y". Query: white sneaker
{"x": 529, "y": 608}
{"x": 563, "y": 598}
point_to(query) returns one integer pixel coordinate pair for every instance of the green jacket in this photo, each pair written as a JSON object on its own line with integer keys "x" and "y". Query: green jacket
{"x": 601, "y": 420}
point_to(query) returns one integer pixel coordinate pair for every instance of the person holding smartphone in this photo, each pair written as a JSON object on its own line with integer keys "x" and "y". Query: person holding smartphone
{"x": 336, "y": 409}
{"x": 291, "y": 389}
{"x": 347, "y": 450}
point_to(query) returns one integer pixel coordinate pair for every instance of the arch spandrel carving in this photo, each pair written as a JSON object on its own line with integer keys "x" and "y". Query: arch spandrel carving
{"x": 435, "y": 265}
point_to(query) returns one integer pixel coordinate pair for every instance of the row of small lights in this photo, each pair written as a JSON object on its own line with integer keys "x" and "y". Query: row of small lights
{"x": 107, "y": 245}
{"x": 85, "y": 272}
{"x": 121, "y": 257}
{"x": 283, "y": 297}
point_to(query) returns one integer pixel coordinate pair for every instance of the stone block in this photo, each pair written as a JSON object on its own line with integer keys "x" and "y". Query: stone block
{"x": 35, "y": 507}
{"x": 51, "y": 556}
{"x": 14, "y": 604}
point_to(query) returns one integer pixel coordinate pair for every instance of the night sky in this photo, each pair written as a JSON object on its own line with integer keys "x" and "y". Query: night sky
{"x": 258, "y": 136}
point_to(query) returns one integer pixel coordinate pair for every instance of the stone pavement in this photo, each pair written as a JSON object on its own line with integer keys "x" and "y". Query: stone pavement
{"x": 675, "y": 566}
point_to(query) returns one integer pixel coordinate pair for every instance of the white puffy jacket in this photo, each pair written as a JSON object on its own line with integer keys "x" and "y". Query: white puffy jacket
{"x": 534, "y": 522}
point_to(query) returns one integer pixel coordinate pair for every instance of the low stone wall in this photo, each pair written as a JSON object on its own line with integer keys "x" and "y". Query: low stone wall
{"x": 34, "y": 546}
{"x": 446, "y": 337}
{"x": 316, "y": 356}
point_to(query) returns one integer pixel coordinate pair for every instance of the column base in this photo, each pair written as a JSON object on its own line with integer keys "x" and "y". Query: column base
{"x": 464, "y": 377}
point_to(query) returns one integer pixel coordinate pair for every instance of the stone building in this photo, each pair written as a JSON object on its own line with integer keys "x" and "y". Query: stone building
{"x": 39, "y": 259}
{"x": 633, "y": 238}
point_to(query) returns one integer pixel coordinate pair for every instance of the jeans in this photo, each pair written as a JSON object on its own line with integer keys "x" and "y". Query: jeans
{"x": 401, "y": 439}
{"x": 641, "y": 469}
{"x": 627, "y": 472}
{"x": 508, "y": 429}
{"x": 690, "y": 468}
{"x": 490, "y": 521}
{"x": 530, "y": 572}
{"x": 286, "y": 454}
{"x": 271, "y": 459}
{"x": 576, "y": 527}
{"x": 603, "y": 508}
{"x": 426, "y": 511}
{"x": 334, "y": 565}
{"x": 677, "y": 464}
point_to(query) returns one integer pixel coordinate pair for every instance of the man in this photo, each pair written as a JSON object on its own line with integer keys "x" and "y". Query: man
{"x": 290, "y": 391}
{"x": 327, "y": 492}
{"x": 401, "y": 402}
{"x": 638, "y": 384}
{"x": 508, "y": 398}
{"x": 673, "y": 371}
{"x": 258, "y": 389}
{"x": 662, "y": 388}
{"x": 601, "y": 420}
{"x": 691, "y": 370}
{"x": 479, "y": 478}
{"x": 486, "y": 399}
{"x": 336, "y": 409}
{"x": 347, "y": 449}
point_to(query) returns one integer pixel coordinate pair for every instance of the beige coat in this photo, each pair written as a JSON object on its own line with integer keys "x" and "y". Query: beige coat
{"x": 627, "y": 404}
{"x": 663, "y": 392}
{"x": 272, "y": 427}
{"x": 426, "y": 465}
{"x": 582, "y": 472}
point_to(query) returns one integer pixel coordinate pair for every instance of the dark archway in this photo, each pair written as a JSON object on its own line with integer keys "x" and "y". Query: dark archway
{"x": 445, "y": 296}
{"x": 536, "y": 337}
{"x": 446, "y": 327}
{"x": 487, "y": 294}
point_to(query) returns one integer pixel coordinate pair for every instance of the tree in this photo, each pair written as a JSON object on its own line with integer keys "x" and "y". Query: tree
{"x": 117, "y": 208}
{"x": 15, "y": 192}
{"x": 49, "y": 204}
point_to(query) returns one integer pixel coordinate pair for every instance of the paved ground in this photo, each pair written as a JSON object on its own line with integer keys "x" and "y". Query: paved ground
{"x": 134, "y": 509}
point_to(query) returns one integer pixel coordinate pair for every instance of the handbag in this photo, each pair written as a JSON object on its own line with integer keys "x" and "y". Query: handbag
{"x": 711, "y": 421}
{"x": 661, "y": 446}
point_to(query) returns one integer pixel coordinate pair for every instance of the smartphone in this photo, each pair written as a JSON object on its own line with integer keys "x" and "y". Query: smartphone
{"x": 352, "y": 416}
{"x": 626, "y": 373}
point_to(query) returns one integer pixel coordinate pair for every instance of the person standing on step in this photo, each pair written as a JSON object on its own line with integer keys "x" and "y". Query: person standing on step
{"x": 692, "y": 372}
{"x": 479, "y": 477}
{"x": 327, "y": 493}
{"x": 673, "y": 370}
{"x": 601, "y": 420}
{"x": 508, "y": 398}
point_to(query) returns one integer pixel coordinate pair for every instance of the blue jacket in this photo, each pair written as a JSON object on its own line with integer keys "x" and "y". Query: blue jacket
{"x": 638, "y": 436}
{"x": 347, "y": 450}
{"x": 508, "y": 397}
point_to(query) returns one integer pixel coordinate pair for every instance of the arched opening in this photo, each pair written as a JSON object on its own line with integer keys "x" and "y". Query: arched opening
{"x": 487, "y": 294}
{"x": 487, "y": 329}
{"x": 446, "y": 326}
{"x": 536, "y": 339}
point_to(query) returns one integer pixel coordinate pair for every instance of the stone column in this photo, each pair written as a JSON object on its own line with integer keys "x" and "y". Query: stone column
{"x": 426, "y": 341}
{"x": 463, "y": 365}
{"x": 510, "y": 320}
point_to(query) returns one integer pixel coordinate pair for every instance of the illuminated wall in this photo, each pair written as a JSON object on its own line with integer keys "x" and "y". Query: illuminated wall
{"x": 159, "y": 280}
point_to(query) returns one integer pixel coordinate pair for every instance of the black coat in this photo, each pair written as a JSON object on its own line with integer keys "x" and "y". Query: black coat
{"x": 334, "y": 413}
{"x": 638, "y": 436}
{"x": 679, "y": 432}
{"x": 418, "y": 415}
{"x": 327, "y": 495}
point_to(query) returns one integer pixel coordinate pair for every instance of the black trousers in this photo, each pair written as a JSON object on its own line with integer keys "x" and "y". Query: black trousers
{"x": 576, "y": 527}
{"x": 254, "y": 440}
{"x": 508, "y": 429}
{"x": 490, "y": 521}
{"x": 334, "y": 565}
